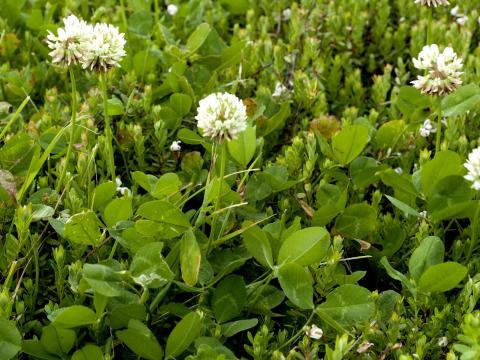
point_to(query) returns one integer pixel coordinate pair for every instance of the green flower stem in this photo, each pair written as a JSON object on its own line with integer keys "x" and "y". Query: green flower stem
{"x": 221, "y": 175}
{"x": 474, "y": 237}
{"x": 14, "y": 117}
{"x": 72, "y": 128}
{"x": 429, "y": 26}
{"x": 108, "y": 129}
{"x": 439, "y": 127}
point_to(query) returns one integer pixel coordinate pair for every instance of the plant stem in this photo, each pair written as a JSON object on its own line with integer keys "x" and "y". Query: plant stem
{"x": 14, "y": 116}
{"x": 474, "y": 237}
{"x": 108, "y": 129}
{"x": 223, "y": 156}
{"x": 429, "y": 26}
{"x": 439, "y": 128}
{"x": 72, "y": 128}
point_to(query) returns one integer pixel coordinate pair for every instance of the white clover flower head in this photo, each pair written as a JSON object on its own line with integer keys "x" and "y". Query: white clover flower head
{"x": 104, "y": 49}
{"x": 443, "y": 341}
{"x": 68, "y": 46}
{"x": 172, "y": 9}
{"x": 442, "y": 70}
{"x": 221, "y": 116}
{"x": 175, "y": 147}
{"x": 287, "y": 14}
{"x": 473, "y": 167}
{"x": 433, "y": 3}
{"x": 462, "y": 20}
{"x": 427, "y": 129}
{"x": 280, "y": 89}
{"x": 314, "y": 332}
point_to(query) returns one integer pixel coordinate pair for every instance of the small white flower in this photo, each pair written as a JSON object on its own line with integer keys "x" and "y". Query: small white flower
{"x": 399, "y": 171}
{"x": 68, "y": 46}
{"x": 286, "y": 14}
{"x": 175, "y": 146}
{"x": 221, "y": 116}
{"x": 433, "y": 3}
{"x": 443, "y": 341}
{"x": 120, "y": 189}
{"x": 461, "y": 20}
{"x": 423, "y": 214}
{"x": 454, "y": 11}
{"x": 427, "y": 128}
{"x": 314, "y": 332}
{"x": 473, "y": 167}
{"x": 442, "y": 70}
{"x": 172, "y": 9}
{"x": 105, "y": 48}
{"x": 280, "y": 89}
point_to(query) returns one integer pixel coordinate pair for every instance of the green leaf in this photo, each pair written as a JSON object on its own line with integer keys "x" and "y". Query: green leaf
{"x": 103, "y": 279}
{"x": 236, "y": 7}
{"x": 349, "y": 304}
{"x": 442, "y": 277}
{"x": 184, "y": 333}
{"x": 243, "y": 148}
{"x": 357, "y": 221}
{"x": 88, "y": 352}
{"x": 229, "y": 298}
{"x": 168, "y": 184}
{"x": 117, "y": 210}
{"x": 10, "y": 339}
{"x": 198, "y": 37}
{"x": 190, "y": 258}
{"x": 168, "y": 217}
{"x": 73, "y": 316}
{"x": 430, "y": 252}
{"x": 444, "y": 164}
{"x": 148, "y": 268}
{"x": 258, "y": 245}
{"x": 296, "y": 282}
{"x": 402, "y": 206}
{"x": 388, "y": 134}
{"x": 115, "y": 107}
{"x": 446, "y": 194}
{"x": 103, "y": 194}
{"x": 83, "y": 229}
{"x": 461, "y": 101}
{"x": 140, "y": 22}
{"x": 232, "y": 328}
{"x": 349, "y": 143}
{"x": 56, "y": 340}
{"x": 141, "y": 341}
{"x": 305, "y": 247}
{"x": 181, "y": 103}
{"x": 412, "y": 103}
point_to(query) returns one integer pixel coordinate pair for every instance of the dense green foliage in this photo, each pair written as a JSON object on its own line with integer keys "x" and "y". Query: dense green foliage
{"x": 333, "y": 210}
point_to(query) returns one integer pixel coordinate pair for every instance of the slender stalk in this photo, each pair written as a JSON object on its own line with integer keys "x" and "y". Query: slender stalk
{"x": 474, "y": 237}
{"x": 439, "y": 128}
{"x": 108, "y": 129}
{"x": 223, "y": 156}
{"x": 429, "y": 26}
{"x": 201, "y": 213}
{"x": 72, "y": 128}
{"x": 14, "y": 116}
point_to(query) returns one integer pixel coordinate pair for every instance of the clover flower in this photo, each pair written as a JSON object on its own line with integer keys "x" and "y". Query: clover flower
{"x": 473, "y": 167}
{"x": 68, "y": 46}
{"x": 172, "y": 9}
{"x": 443, "y": 70}
{"x": 221, "y": 116}
{"x": 175, "y": 147}
{"x": 433, "y": 3}
{"x": 314, "y": 332}
{"x": 104, "y": 49}
{"x": 427, "y": 129}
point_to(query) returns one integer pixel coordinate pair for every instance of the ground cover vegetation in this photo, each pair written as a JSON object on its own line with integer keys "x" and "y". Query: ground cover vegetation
{"x": 239, "y": 179}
